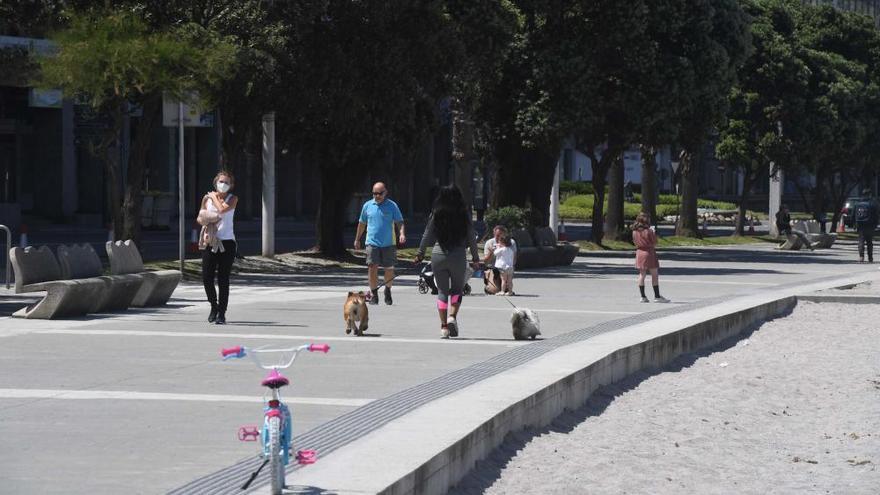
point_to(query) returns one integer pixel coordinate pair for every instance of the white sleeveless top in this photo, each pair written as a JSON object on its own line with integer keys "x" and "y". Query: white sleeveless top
{"x": 225, "y": 231}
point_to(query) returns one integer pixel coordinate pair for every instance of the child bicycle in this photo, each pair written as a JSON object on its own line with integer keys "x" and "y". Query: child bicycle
{"x": 275, "y": 434}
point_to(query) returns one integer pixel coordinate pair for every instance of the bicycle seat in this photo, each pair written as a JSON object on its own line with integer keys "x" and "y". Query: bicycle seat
{"x": 275, "y": 380}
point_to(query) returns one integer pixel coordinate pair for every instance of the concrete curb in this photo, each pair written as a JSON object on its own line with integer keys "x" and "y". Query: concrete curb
{"x": 840, "y": 298}
{"x": 433, "y": 447}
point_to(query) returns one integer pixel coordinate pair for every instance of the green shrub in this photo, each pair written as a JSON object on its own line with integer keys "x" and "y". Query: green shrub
{"x": 579, "y": 201}
{"x": 665, "y": 210}
{"x": 575, "y": 187}
{"x": 715, "y": 205}
{"x": 512, "y": 217}
{"x": 575, "y": 213}
{"x": 631, "y": 210}
{"x": 667, "y": 199}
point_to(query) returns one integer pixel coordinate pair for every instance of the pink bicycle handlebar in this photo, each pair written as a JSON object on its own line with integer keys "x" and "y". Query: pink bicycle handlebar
{"x": 233, "y": 352}
{"x": 319, "y": 348}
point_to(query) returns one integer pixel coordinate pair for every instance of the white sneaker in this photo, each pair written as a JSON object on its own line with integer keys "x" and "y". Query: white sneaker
{"x": 444, "y": 333}
{"x": 644, "y": 299}
{"x": 452, "y": 325}
{"x": 661, "y": 299}
{"x": 499, "y": 293}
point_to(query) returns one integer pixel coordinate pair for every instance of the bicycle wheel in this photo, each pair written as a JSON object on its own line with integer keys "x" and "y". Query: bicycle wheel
{"x": 276, "y": 466}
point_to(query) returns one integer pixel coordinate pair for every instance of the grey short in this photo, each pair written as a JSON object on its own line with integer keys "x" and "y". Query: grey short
{"x": 382, "y": 256}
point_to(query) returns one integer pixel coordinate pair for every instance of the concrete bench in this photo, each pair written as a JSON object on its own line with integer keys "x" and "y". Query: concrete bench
{"x": 543, "y": 250}
{"x": 791, "y": 243}
{"x": 37, "y": 270}
{"x": 81, "y": 261}
{"x": 562, "y": 254}
{"x": 527, "y": 254}
{"x": 814, "y": 233}
{"x": 157, "y": 286}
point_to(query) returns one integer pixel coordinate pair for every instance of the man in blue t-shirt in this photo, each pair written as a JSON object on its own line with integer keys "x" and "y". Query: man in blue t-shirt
{"x": 378, "y": 217}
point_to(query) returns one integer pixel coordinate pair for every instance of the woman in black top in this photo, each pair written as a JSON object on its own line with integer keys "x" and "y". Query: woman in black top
{"x": 450, "y": 232}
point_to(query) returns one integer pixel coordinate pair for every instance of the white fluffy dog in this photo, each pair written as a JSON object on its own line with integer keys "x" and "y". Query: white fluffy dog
{"x": 525, "y": 324}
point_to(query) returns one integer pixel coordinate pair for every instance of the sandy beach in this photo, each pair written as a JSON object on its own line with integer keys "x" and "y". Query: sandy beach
{"x": 792, "y": 407}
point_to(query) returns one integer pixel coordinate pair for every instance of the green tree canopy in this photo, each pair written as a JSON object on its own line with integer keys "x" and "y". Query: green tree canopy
{"x": 113, "y": 61}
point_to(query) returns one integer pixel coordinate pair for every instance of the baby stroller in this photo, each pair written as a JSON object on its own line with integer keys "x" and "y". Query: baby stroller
{"x": 426, "y": 280}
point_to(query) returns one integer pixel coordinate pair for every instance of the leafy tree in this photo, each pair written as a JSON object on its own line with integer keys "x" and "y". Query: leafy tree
{"x": 517, "y": 108}
{"x": 768, "y": 83}
{"x": 362, "y": 79}
{"x": 251, "y": 87}
{"x": 832, "y": 135}
{"x": 113, "y": 61}
{"x": 712, "y": 50}
{"x": 654, "y": 82}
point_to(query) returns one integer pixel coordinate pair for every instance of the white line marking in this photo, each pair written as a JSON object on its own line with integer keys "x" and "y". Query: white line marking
{"x": 667, "y": 280}
{"x": 313, "y": 338}
{"x": 588, "y": 311}
{"x": 18, "y": 393}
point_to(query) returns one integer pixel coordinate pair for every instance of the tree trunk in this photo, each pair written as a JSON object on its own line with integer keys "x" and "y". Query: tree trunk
{"x": 110, "y": 149}
{"x": 600, "y": 174}
{"x": 748, "y": 180}
{"x": 649, "y": 182}
{"x": 111, "y": 164}
{"x": 134, "y": 187}
{"x": 687, "y": 225}
{"x": 540, "y": 165}
{"x": 510, "y": 182}
{"x": 335, "y": 196}
{"x": 820, "y": 194}
{"x": 463, "y": 156}
{"x": 613, "y": 229}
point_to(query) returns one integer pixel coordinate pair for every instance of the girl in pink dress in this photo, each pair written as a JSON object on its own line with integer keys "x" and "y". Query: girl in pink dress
{"x": 646, "y": 256}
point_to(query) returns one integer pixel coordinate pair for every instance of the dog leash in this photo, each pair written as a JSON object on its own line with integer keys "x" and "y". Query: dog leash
{"x": 508, "y": 302}
{"x": 397, "y": 273}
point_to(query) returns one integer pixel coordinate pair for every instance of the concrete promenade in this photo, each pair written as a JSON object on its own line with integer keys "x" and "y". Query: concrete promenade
{"x": 140, "y": 402}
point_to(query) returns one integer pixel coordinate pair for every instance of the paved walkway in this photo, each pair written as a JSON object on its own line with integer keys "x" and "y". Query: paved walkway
{"x": 141, "y": 403}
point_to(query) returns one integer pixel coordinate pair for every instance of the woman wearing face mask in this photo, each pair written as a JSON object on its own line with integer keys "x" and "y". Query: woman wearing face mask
{"x": 219, "y": 261}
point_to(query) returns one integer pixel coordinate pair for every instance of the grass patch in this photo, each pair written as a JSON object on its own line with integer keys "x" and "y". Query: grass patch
{"x": 579, "y": 207}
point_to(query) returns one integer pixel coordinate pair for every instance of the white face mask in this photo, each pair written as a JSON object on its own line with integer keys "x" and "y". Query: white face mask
{"x": 221, "y": 187}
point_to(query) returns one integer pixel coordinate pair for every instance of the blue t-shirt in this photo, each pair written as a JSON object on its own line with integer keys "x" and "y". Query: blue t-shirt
{"x": 380, "y": 218}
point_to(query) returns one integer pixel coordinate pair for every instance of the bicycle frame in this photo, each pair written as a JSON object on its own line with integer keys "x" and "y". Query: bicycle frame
{"x": 275, "y": 407}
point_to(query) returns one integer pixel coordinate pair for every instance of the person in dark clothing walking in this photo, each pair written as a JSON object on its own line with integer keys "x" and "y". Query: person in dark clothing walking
{"x": 783, "y": 226}
{"x": 783, "y": 221}
{"x": 865, "y": 218}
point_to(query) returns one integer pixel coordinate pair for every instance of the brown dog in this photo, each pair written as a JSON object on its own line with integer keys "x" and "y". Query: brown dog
{"x": 355, "y": 309}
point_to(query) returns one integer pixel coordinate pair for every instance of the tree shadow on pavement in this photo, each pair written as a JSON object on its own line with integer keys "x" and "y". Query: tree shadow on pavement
{"x": 727, "y": 256}
{"x": 597, "y": 270}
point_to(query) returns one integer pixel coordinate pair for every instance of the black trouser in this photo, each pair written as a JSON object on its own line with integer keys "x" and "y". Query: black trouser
{"x": 866, "y": 236}
{"x": 221, "y": 264}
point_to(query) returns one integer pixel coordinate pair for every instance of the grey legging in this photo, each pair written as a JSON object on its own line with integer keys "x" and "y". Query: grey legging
{"x": 449, "y": 271}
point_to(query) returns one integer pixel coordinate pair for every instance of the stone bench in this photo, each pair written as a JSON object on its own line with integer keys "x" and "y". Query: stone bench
{"x": 814, "y": 233}
{"x": 37, "y": 270}
{"x": 543, "y": 251}
{"x": 157, "y": 287}
{"x": 562, "y": 254}
{"x": 791, "y": 243}
{"x": 81, "y": 262}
